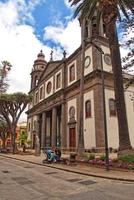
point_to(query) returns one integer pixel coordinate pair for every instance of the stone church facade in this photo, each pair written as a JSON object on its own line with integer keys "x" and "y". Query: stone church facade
{"x": 54, "y": 115}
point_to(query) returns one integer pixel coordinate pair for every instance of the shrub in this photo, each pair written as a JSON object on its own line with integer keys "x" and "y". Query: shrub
{"x": 103, "y": 157}
{"x": 127, "y": 158}
{"x": 91, "y": 156}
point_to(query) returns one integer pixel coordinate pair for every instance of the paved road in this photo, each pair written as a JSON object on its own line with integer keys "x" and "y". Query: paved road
{"x": 24, "y": 181}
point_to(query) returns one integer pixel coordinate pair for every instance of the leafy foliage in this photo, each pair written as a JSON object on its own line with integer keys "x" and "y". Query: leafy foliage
{"x": 23, "y": 137}
{"x": 127, "y": 158}
{"x": 5, "y": 67}
{"x": 128, "y": 44}
{"x": 12, "y": 106}
{"x": 103, "y": 157}
{"x": 87, "y": 8}
{"x": 4, "y": 130}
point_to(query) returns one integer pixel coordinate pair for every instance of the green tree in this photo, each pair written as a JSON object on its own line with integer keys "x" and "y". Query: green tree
{"x": 4, "y": 132}
{"x": 12, "y": 106}
{"x": 127, "y": 43}
{"x": 5, "y": 67}
{"x": 109, "y": 11}
{"x": 23, "y": 140}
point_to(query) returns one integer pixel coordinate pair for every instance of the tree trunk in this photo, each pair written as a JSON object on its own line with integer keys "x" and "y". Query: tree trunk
{"x": 124, "y": 140}
{"x": 4, "y": 143}
{"x": 13, "y": 139}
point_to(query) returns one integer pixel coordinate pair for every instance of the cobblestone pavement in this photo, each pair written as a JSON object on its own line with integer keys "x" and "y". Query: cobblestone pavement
{"x": 79, "y": 168}
{"x": 26, "y": 181}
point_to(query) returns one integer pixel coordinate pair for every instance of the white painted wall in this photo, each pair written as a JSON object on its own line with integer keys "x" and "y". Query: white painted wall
{"x": 129, "y": 94}
{"x": 88, "y": 69}
{"x": 106, "y": 67}
{"x": 112, "y": 123}
{"x": 89, "y": 123}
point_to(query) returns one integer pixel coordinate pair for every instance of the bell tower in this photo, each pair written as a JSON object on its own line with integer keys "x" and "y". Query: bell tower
{"x": 38, "y": 67}
{"x": 90, "y": 28}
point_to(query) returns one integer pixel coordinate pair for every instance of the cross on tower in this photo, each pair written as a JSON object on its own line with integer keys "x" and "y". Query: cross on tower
{"x": 64, "y": 54}
{"x": 51, "y": 54}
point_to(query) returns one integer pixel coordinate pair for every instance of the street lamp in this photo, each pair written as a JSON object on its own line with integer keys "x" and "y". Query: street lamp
{"x": 100, "y": 51}
{"x": 104, "y": 113}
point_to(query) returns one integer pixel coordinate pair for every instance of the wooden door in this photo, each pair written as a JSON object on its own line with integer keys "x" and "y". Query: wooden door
{"x": 72, "y": 138}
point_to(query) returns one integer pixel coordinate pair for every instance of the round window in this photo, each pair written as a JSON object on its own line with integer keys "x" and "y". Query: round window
{"x": 107, "y": 59}
{"x": 87, "y": 61}
{"x": 49, "y": 87}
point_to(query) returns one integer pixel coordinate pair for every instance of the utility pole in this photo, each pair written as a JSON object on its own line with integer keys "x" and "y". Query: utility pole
{"x": 81, "y": 98}
{"x": 100, "y": 51}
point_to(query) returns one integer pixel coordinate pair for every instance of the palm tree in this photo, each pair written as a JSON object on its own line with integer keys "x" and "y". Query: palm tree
{"x": 109, "y": 11}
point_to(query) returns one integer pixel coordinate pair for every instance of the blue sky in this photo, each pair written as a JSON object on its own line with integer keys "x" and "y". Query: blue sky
{"x": 26, "y": 27}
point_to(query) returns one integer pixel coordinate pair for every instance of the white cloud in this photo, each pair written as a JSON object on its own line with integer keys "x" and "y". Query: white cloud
{"x": 67, "y": 37}
{"x": 20, "y": 45}
{"x": 67, "y": 3}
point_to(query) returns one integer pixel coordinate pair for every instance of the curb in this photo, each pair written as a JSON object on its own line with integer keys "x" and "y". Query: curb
{"x": 71, "y": 170}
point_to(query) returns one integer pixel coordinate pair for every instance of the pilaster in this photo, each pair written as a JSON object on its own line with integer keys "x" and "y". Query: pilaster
{"x": 63, "y": 127}
{"x": 43, "y": 130}
{"x": 54, "y": 126}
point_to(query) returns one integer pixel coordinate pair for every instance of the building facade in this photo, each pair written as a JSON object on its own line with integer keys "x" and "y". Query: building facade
{"x": 20, "y": 129}
{"x": 54, "y": 114}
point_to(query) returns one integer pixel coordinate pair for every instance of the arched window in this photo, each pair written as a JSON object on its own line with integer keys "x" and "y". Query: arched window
{"x": 36, "y": 81}
{"x": 86, "y": 29}
{"x": 72, "y": 73}
{"x": 112, "y": 107}
{"x": 94, "y": 27}
{"x": 88, "y": 109}
{"x": 104, "y": 30}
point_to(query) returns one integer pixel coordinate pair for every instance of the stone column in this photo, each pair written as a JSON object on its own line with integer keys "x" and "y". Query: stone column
{"x": 54, "y": 127}
{"x": 99, "y": 118}
{"x": 63, "y": 127}
{"x": 43, "y": 130}
{"x": 37, "y": 142}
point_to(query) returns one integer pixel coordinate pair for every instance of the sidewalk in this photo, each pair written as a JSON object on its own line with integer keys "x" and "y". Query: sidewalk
{"x": 79, "y": 168}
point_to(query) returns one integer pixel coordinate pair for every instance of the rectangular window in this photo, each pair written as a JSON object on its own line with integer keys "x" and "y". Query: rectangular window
{"x": 112, "y": 107}
{"x": 36, "y": 97}
{"x": 88, "y": 109}
{"x": 41, "y": 93}
{"x": 72, "y": 73}
{"x": 58, "y": 81}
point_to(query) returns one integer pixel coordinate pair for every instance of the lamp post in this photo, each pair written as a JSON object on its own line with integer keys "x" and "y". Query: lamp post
{"x": 104, "y": 113}
{"x": 81, "y": 98}
{"x": 100, "y": 51}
